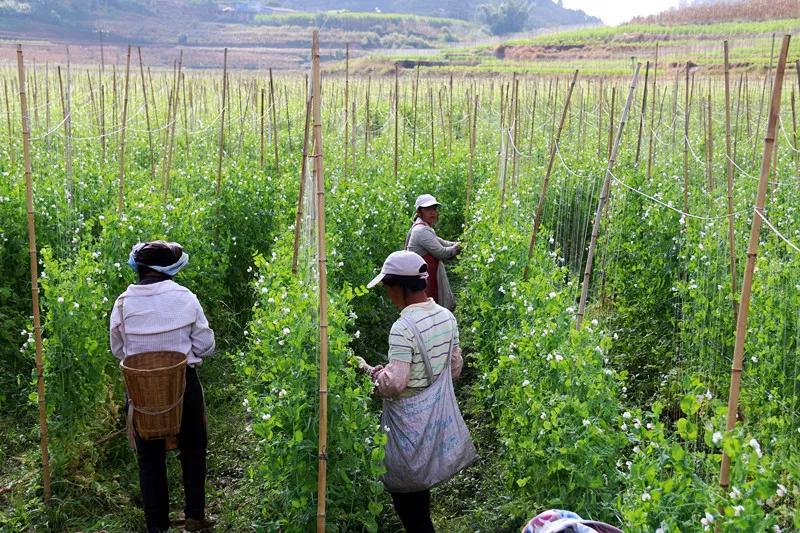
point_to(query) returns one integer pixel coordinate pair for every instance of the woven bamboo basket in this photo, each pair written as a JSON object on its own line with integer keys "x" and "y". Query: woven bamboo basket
{"x": 155, "y": 383}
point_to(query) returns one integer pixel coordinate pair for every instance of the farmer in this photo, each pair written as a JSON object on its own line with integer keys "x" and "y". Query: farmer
{"x": 416, "y": 385}
{"x": 422, "y": 239}
{"x": 157, "y": 314}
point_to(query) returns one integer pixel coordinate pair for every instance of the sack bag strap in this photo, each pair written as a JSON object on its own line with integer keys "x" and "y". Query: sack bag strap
{"x": 423, "y": 350}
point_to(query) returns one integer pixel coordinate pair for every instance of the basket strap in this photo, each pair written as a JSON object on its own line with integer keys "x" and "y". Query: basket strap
{"x": 166, "y": 409}
{"x": 122, "y": 325}
{"x": 162, "y": 411}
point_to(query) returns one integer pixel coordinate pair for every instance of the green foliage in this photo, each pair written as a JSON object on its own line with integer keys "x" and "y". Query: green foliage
{"x": 281, "y": 370}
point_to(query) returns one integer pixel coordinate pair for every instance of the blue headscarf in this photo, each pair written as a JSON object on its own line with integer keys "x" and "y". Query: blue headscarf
{"x": 169, "y": 270}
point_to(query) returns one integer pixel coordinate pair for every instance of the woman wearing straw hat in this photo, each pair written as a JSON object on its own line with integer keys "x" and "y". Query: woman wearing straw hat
{"x": 157, "y": 314}
{"x": 422, "y": 239}
{"x": 428, "y": 442}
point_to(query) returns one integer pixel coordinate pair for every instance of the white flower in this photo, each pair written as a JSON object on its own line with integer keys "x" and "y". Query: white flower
{"x": 624, "y": 427}
{"x": 357, "y": 334}
{"x": 76, "y": 305}
{"x": 646, "y": 497}
{"x": 709, "y": 517}
{"x": 776, "y": 528}
{"x": 716, "y": 438}
{"x": 659, "y": 530}
{"x": 737, "y": 510}
{"x": 781, "y": 492}
{"x": 60, "y": 299}
{"x": 248, "y": 428}
{"x": 735, "y": 494}
{"x": 559, "y": 357}
{"x": 526, "y": 383}
{"x": 266, "y": 416}
{"x": 552, "y": 295}
{"x": 281, "y": 393}
{"x": 756, "y": 446}
{"x": 245, "y": 402}
{"x": 387, "y": 429}
{"x": 286, "y": 331}
{"x": 626, "y": 415}
{"x": 264, "y": 290}
{"x": 754, "y": 359}
{"x": 595, "y": 322}
{"x": 586, "y": 422}
{"x": 271, "y": 300}
{"x": 502, "y": 289}
{"x": 543, "y": 416}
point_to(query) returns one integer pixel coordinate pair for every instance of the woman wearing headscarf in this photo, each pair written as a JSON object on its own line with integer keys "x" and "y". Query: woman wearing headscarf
{"x": 157, "y": 314}
{"x": 422, "y": 240}
{"x": 428, "y": 442}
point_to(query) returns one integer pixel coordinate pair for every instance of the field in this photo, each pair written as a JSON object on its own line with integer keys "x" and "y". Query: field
{"x": 622, "y": 419}
{"x": 607, "y": 51}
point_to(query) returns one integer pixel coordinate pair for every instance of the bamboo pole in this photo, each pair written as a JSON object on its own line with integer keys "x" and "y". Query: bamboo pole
{"x": 652, "y": 118}
{"x": 67, "y": 138}
{"x": 611, "y": 121}
{"x": 8, "y": 120}
{"x": 323, "y": 287}
{"x": 187, "y": 143}
{"x": 686, "y": 144}
{"x": 643, "y": 114}
{"x": 346, "y": 105}
{"x": 367, "y": 124}
{"x": 537, "y": 217}
{"x": 222, "y": 122}
{"x": 274, "y": 122}
{"x": 121, "y": 198}
{"x": 396, "y": 115}
{"x": 515, "y": 136}
{"x": 414, "y": 131}
{"x": 172, "y": 123}
{"x": 433, "y": 124}
{"x": 472, "y": 142}
{"x": 353, "y": 134}
{"x": 794, "y": 130}
{"x": 752, "y": 255}
{"x": 709, "y": 146}
{"x": 288, "y": 118}
{"x": 298, "y": 220}
{"x": 729, "y": 175}
{"x": 261, "y": 132}
{"x": 147, "y": 115}
{"x": 34, "y": 263}
{"x": 604, "y": 195}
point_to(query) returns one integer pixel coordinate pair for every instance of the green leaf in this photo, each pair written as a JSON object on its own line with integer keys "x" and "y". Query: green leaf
{"x": 677, "y": 452}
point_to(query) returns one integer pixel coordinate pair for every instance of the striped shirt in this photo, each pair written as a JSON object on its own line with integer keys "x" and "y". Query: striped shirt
{"x": 437, "y": 326}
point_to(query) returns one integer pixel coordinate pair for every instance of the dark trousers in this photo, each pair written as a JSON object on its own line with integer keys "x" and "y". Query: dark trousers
{"x": 152, "y": 455}
{"x": 414, "y": 510}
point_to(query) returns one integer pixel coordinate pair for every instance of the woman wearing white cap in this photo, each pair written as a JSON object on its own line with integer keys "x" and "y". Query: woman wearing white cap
{"x": 422, "y": 239}
{"x": 428, "y": 442}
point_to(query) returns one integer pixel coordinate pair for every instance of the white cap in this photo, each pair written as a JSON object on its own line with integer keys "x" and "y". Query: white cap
{"x": 425, "y": 200}
{"x": 400, "y": 264}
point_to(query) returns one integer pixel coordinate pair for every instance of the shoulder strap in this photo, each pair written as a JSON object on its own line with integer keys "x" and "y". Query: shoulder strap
{"x": 410, "y": 230}
{"x": 423, "y": 350}
{"x": 122, "y": 325}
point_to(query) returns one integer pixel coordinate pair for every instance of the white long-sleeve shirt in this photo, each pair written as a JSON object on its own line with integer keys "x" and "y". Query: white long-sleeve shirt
{"x": 162, "y": 316}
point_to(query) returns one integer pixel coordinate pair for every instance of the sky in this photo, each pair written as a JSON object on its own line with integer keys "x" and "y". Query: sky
{"x": 615, "y": 12}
